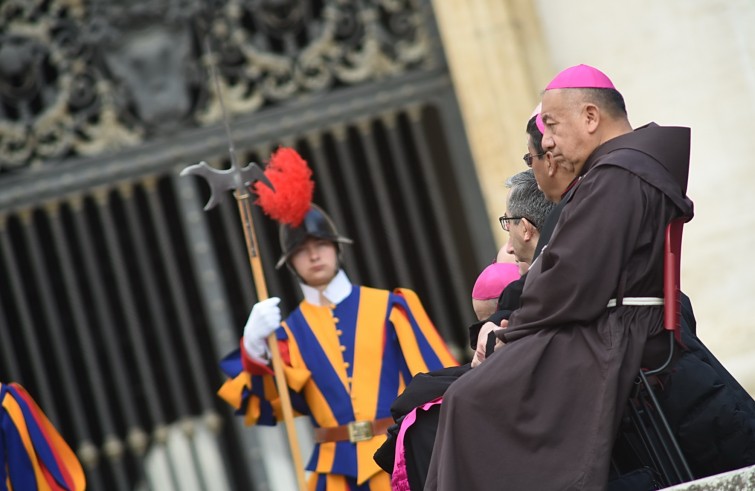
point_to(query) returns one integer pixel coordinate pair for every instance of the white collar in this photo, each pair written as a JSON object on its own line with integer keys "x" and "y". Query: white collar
{"x": 337, "y": 290}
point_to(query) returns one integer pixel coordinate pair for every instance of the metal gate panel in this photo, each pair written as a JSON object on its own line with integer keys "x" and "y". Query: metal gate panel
{"x": 118, "y": 293}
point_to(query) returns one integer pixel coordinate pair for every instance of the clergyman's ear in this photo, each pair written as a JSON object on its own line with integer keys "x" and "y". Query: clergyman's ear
{"x": 550, "y": 167}
{"x": 591, "y": 114}
{"x": 528, "y": 229}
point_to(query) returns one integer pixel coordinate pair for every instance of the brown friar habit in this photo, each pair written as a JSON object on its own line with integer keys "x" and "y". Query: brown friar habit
{"x": 542, "y": 412}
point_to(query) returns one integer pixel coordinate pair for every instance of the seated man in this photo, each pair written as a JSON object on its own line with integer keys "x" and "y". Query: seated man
{"x": 526, "y": 207}
{"x": 526, "y": 211}
{"x": 554, "y": 393}
{"x": 712, "y": 416}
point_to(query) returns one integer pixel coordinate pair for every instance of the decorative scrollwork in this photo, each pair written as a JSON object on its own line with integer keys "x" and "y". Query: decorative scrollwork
{"x": 84, "y": 78}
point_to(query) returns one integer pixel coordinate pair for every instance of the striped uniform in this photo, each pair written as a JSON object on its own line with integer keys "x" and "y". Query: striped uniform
{"x": 344, "y": 362}
{"x": 33, "y": 456}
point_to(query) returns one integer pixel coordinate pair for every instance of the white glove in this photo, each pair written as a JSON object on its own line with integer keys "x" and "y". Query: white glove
{"x": 264, "y": 319}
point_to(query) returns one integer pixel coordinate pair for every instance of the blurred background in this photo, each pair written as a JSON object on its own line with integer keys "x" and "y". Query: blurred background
{"x": 119, "y": 293}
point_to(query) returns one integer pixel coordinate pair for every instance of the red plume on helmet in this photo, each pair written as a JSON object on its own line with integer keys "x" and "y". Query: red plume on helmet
{"x": 291, "y": 178}
{"x": 291, "y": 203}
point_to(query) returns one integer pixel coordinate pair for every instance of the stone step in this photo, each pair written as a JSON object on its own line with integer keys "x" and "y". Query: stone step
{"x": 738, "y": 480}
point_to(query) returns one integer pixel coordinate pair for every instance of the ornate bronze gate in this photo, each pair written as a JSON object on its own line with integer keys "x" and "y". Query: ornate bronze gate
{"x": 118, "y": 294}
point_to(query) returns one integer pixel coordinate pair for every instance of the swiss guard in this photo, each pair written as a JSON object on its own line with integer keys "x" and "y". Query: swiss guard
{"x": 348, "y": 350}
{"x": 33, "y": 455}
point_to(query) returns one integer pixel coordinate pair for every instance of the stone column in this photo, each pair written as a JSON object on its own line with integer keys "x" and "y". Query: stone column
{"x": 498, "y": 64}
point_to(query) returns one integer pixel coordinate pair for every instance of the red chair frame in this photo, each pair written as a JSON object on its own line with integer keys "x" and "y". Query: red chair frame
{"x": 650, "y": 422}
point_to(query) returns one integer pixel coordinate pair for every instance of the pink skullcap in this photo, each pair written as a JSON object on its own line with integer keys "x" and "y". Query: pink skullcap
{"x": 581, "y": 77}
{"x": 539, "y": 123}
{"x": 494, "y": 279}
{"x": 538, "y": 119}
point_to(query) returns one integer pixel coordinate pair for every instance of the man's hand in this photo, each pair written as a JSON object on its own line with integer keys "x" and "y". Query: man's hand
{"x": 264, "y": 319}
{"x": 482, "y": 339}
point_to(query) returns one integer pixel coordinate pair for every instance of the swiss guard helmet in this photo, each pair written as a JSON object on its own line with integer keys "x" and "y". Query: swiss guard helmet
{"x": 316, "y": 224}
{"x": 289, "y": 202}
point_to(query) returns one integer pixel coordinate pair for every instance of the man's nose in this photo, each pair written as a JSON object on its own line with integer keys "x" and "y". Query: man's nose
{"x": 509, "y": 245}
{"x": 547, "y": 142}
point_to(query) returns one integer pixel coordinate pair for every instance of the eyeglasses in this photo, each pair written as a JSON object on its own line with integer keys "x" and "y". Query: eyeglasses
{"x": 528, "y": 158}
{"x": 505, "y": 221}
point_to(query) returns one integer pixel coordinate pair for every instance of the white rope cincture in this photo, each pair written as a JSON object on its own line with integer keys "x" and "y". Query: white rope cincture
{"x": 637, "y": 301}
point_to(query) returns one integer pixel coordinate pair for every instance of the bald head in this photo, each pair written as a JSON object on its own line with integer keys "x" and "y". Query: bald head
{"x": 581, "y": 110}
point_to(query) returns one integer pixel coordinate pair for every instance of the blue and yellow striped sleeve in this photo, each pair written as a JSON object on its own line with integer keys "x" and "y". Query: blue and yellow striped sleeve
{"x": 422, "y": 345}
{"x": 250, "y": 387}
